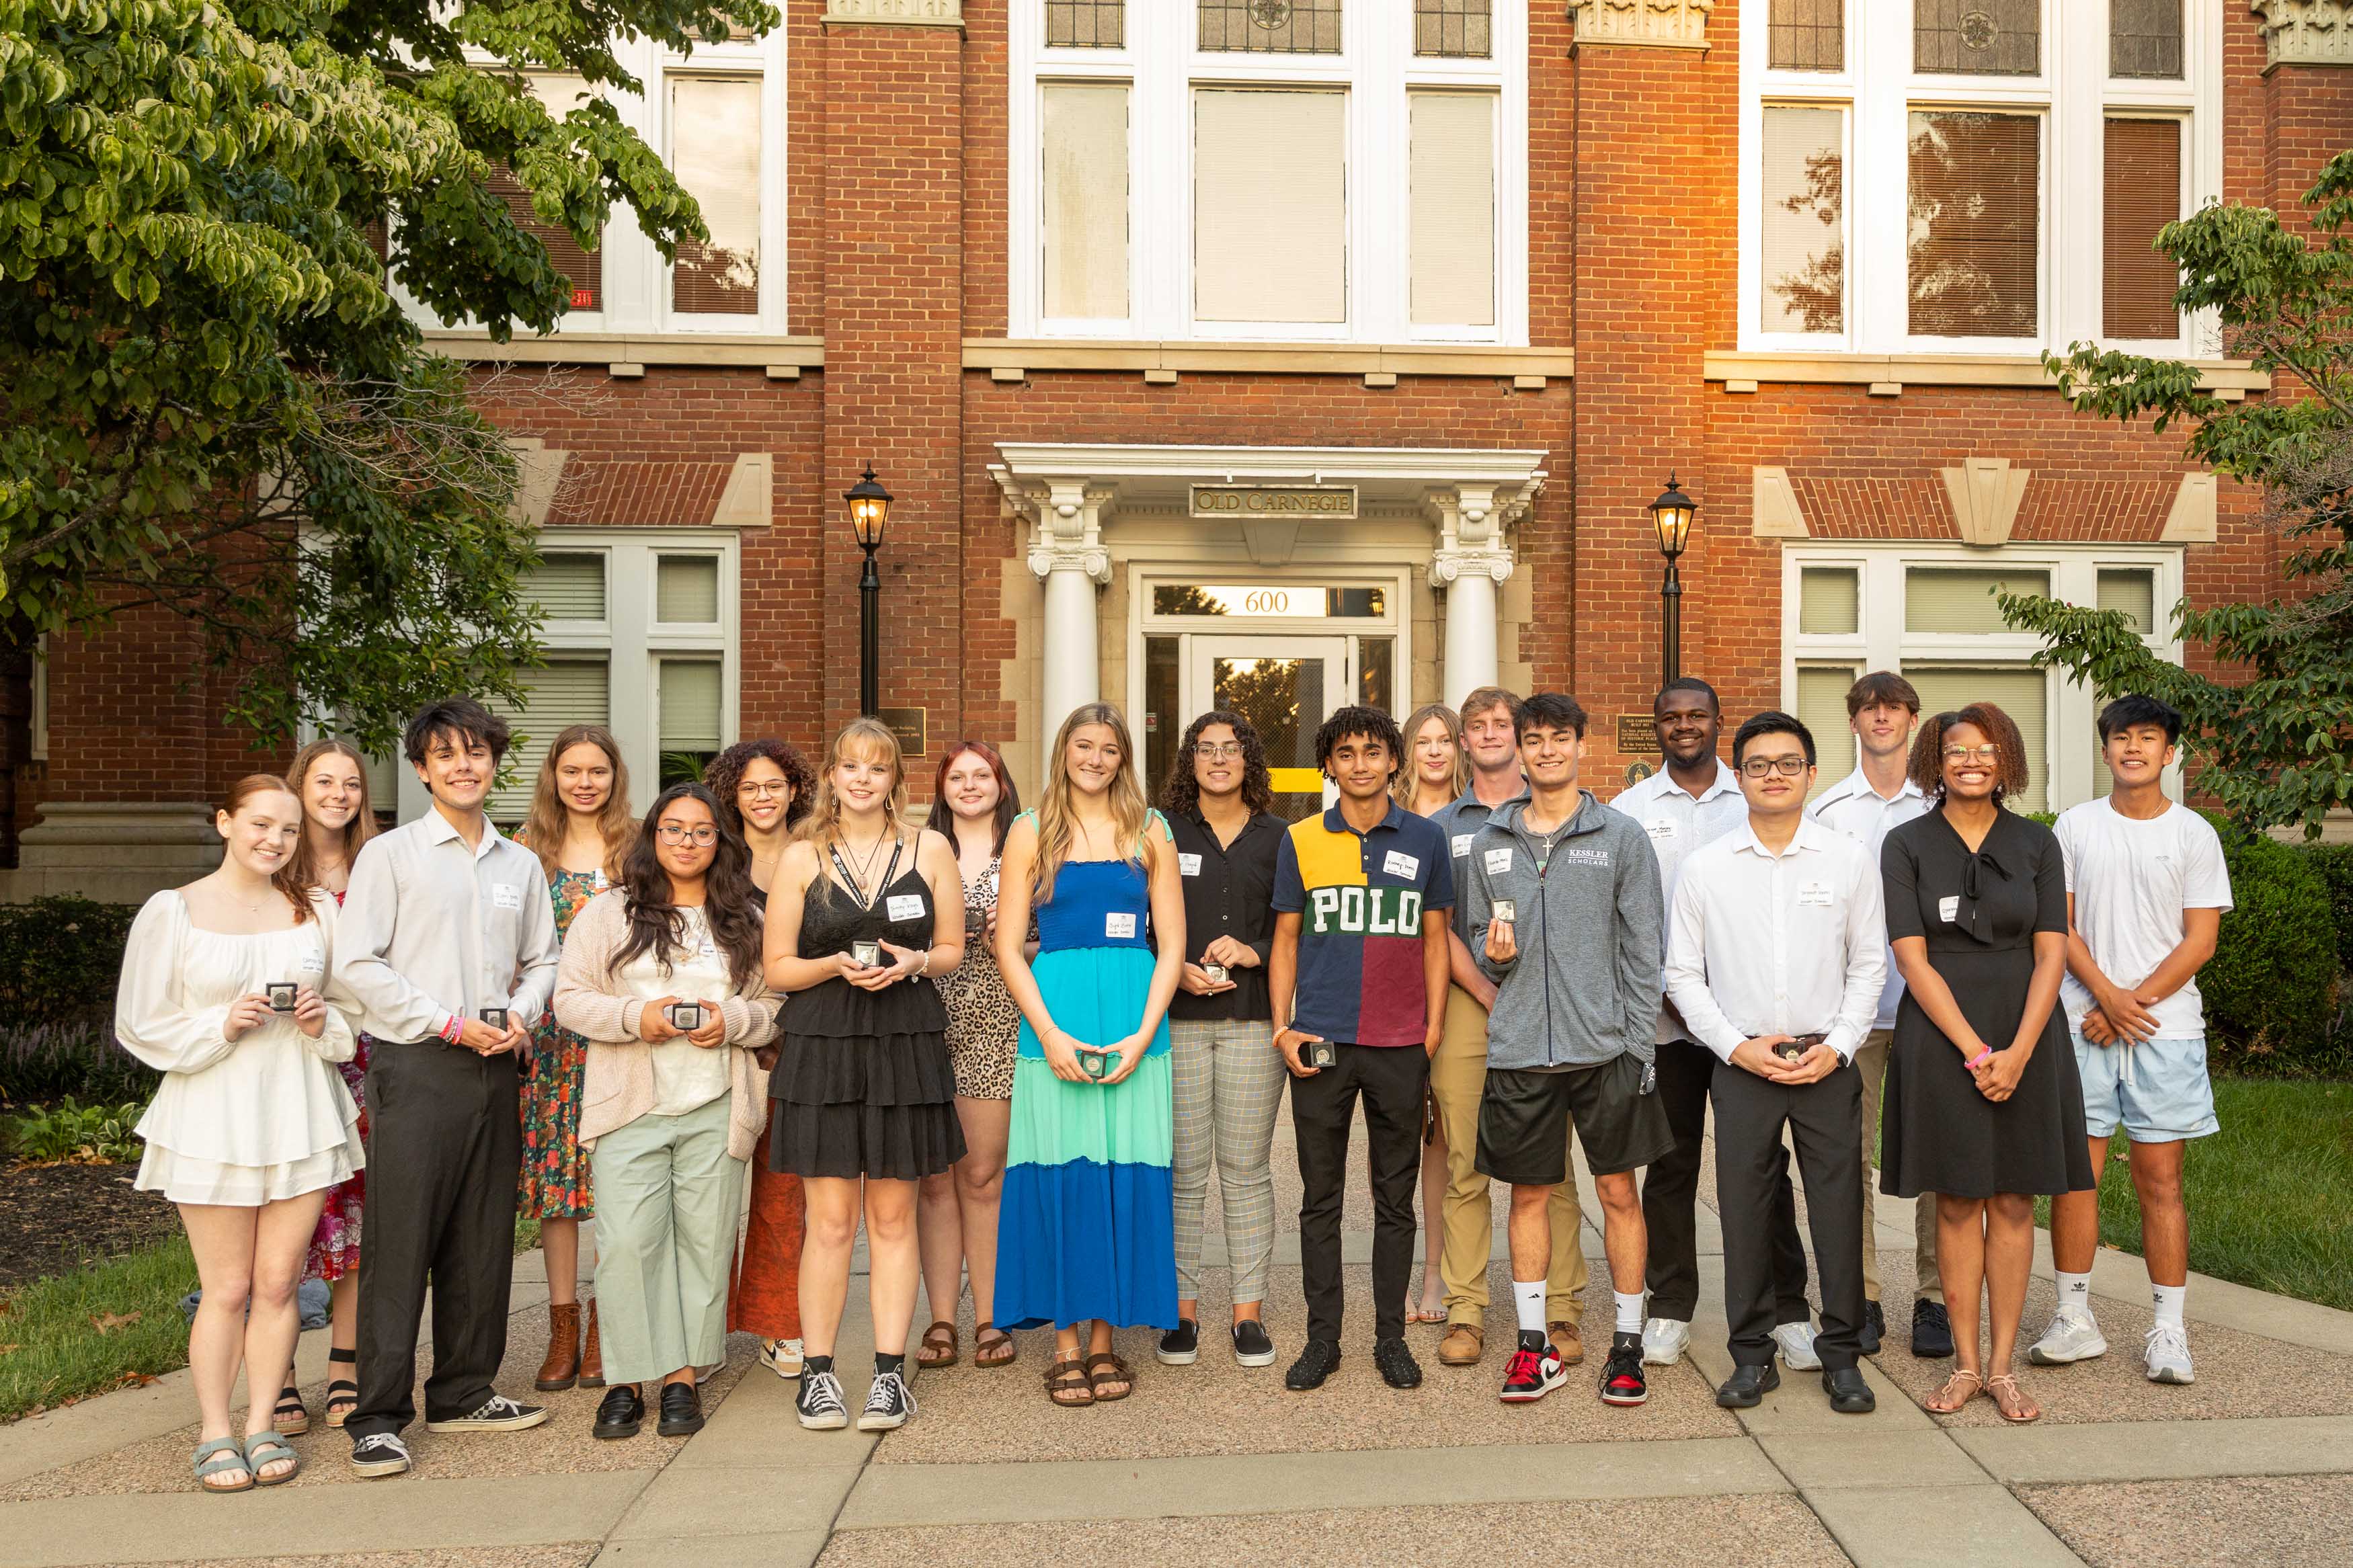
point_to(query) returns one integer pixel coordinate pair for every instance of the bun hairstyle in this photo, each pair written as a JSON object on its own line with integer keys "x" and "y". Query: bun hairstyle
{"x": 356, "y": 832}
{"x": 286, "y": 878}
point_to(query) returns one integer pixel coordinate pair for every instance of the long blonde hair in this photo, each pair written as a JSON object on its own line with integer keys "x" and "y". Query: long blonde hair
{"x": 1128, "y": 811}
{"x": 356, "y": 832}
{"x": 822, "y": 826}
{"x": 546, "y": 825}
{"x": 1408, "y": 782}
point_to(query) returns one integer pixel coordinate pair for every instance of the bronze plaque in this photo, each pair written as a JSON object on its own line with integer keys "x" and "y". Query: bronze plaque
{"x": 911, "y": 725}
{"x": 1636, "y": 735}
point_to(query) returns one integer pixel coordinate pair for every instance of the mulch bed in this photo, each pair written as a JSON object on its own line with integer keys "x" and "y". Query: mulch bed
{"x": 54, "y": 1217}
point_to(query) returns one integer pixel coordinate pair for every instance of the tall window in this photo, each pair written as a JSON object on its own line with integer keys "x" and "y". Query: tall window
{"x": 715, "y": 139}
{"x": 582, "y": 266}
{"x": 2142, "y": 194}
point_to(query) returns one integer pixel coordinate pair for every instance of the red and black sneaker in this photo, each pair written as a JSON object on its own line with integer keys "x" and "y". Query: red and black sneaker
{"x": 1621, "y": 1378}
{"x": 1532, "y": 1375}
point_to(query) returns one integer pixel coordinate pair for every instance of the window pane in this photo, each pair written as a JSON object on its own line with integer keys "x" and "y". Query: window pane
{"x": 1376, "y": 673}
{"x": 2132, "y": 590}
{"x": 714, "y": 151}
{"x": 1829, "y": 601}
{"x": 1268, "y": 178}
{"x": 689, "y": 695}
{"x": 1976, "y": 224}
{"x": 2024, "y": 694}
{"x": 1271, "y": 27}
{"x": 1086, "y": 24}
{"x": 1085, "y": 199}
{"x": 2144, "y": 39}
{"x": 1821, "y": 707}
{"x": 1978, "y": 38}
{"x": 1163, "y": 725}
{"x": 2144, "y": 194}
{"x": 584, "y": 267}
{"x": 564, "y": 692}
{"x": 1807, "y": 36}
{"x": 686, "y": 590}
{"x": 567, "y": 586}
{"x": 1453, "y": 202}
{"x": 1940, "y": 600}
{"x": 1802, "y": 240}
{"x": 1461, "y": 27}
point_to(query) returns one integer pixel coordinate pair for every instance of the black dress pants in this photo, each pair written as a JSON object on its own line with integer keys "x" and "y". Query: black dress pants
{"x": 1825, "y": 1121}
{"x": 1671, "y": 1193}
{"x": 1391, "y": 1079}
{"x": 443, "y": 1146}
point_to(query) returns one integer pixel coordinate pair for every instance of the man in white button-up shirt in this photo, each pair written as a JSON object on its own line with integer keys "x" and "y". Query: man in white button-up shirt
{"x": 1776, "y": 953}
{"x": 1879, "y": 797}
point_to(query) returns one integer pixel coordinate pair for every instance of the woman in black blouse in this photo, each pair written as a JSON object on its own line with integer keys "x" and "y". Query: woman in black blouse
{"x": 1983, "y": 1105}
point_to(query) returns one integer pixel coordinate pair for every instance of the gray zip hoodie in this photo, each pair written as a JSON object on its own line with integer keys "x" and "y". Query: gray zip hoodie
{"x": 1585, "y": 987}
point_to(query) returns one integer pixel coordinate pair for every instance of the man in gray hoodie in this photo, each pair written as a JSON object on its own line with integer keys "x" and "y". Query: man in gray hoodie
{"x": 1561, "y": 903}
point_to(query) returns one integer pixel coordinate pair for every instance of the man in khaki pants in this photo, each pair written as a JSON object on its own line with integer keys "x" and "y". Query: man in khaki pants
{"x": 1457, "y": 1077}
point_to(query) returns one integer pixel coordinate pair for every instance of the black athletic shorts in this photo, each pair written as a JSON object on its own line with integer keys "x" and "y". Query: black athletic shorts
{"x": 1525, "y": 1119}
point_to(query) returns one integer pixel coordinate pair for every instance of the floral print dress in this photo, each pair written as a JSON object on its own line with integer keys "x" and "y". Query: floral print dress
{"x": 555, "y": 1179}
{"x": 336, "y": 1245}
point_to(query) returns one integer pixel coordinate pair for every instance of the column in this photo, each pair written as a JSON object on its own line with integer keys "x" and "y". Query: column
{"x": 1471, "y": 558}
{"x": 1066, "y": 553}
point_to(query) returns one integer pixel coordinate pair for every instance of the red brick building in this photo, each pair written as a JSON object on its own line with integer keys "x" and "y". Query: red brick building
{"x": 1281, "y": 350}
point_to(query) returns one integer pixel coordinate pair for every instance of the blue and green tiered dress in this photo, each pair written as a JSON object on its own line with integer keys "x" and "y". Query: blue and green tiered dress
{"x": 1087, "y": 1228}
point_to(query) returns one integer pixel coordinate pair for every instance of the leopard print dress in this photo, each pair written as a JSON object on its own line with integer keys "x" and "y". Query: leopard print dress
{"x": 983, "y": 1022}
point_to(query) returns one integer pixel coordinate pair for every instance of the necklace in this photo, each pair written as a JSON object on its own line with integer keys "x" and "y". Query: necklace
{"x": 859, "y": 869}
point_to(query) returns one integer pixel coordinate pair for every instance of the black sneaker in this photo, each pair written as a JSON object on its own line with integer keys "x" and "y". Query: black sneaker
{"x": 681, "y": 1410}
{"x": 1532, "y": 1374}
{"x": 620, "y": 1413}
{"x": 1251, "y": 1345}
{"x": 820, "y": 1406}
{"x": 1397, "y": 1367}
{"x": 379, "y": 1454}
{"x": 497, "y": 1413}
{"x": 888, "y": 1404}
{"x": 1874, "y": 1327}
{"x": 1932, "y": 1331}
{"x": 1314, "y": 1365}
{"x": 1180, "y": 1346}
{"x": 1621, "y": 1375}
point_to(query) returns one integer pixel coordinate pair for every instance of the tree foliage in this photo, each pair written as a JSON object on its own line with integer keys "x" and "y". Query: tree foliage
{"x": 2271, "y": 734}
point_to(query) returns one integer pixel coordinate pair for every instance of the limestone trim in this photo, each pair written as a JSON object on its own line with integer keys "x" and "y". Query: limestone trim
{"x": 1985, "y": 493}
{"x": 1391, "y": 359}
{"x": 1644, "y": 24}
{"x": 1475, "y": 523}
{"x": 772, "y": 351}
{"x": 2305, "y": 32}
{"x": 894, "y": 13}
{"x": 2194, "y": 518}
{"x": 750, "y": 499}
{"x": 1734, "y": 368}
{"x": 1773, "y": 509}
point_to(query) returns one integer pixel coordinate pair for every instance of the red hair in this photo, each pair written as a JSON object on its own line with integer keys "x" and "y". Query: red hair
{"x": 288, "y": 878}
{"x": 1008, "y": 800}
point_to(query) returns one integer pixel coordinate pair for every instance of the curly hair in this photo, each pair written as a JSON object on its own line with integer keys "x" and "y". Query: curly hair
{"x": 1928, "y": 763}
{"x": 1370, "y": 723}
{"x": 725, "y": 772}
{"x": 1180, "y": 792}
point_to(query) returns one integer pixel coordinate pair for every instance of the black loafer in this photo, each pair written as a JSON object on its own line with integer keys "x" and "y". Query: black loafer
{"x": 621, "y": 1412}
{"x": 1397, "y": 1367}
{"x": 1850, "y": 1395}
{"x": 1180, "y": 1346}
{"x": 1315, "y": 1363}
{"x": 681, "y": 1410}
{"x": 1931, "y": 1330}
{"x": 1252, "y": 1347}
{"x": 1747, "y": 1386}
{"x": 1874, "y": 1327}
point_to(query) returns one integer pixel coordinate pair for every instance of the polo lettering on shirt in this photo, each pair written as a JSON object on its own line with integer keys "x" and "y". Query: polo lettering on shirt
{"x": 1363, "y": 911}
{"x": 1361, "y": 900}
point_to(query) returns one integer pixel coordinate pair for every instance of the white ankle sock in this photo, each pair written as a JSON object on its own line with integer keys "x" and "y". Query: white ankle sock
{"x": 2075, "y": 1295}
{"x": 1630, "y": 1312}
{"x": 2168, "y": 1300}
{"x": 1528, "y": 1297}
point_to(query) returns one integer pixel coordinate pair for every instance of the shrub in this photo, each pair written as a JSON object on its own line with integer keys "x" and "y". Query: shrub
{"x": 59, "y": 960}
{"x": 72, "y": 1133}
{"x": 2335, "y": 863}
{"x": 2271, "y": 987}
{"x": 50, "y": 1060}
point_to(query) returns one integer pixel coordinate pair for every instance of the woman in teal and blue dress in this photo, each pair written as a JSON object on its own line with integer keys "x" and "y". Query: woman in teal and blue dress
{"x": 1086, "y": 1234}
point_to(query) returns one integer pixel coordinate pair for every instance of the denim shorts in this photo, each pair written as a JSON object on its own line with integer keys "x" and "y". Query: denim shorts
{"x": 2161, "y": 1095}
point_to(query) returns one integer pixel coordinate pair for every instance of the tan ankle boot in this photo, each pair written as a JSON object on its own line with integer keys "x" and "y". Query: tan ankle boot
{"x": 592, "y": 1360}
{"x": 562, "y": 1367}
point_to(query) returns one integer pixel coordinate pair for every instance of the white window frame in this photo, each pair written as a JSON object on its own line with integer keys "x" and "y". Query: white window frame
{"x": 2074, "y": 96}
{"x": 1395, "y": 621}
{"x": 1163, "y": 65}
{"x": 1881, "y": 642}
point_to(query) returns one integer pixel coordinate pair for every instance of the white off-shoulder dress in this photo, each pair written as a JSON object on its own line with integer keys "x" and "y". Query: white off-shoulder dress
{"x": 236, "y": 1122}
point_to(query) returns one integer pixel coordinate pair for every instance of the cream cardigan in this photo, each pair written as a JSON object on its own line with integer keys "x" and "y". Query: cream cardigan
{"x": 620, "y": 1076}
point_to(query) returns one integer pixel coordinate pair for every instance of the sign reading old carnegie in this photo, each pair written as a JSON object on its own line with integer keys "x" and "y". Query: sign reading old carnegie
{"x": 1336, "y": 503}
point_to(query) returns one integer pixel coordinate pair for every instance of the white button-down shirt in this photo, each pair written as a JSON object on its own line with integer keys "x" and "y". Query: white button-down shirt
{"x": 1678, "y": 823}
{"x": 1867, "y": 816}
{"x": 431, "y": 929}
{"x": 1794, "y": 943}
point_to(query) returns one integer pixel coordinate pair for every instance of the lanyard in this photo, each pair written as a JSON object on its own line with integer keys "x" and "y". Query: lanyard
{"x": 865, "y": 900}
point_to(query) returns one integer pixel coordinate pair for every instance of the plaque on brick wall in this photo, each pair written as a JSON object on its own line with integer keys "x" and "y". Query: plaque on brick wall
{"x": 1636, "y": 735}
{"x": 911, "y": 725}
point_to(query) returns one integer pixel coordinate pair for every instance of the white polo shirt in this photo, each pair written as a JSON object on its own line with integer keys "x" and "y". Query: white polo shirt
{"x": 1852, "y": 807}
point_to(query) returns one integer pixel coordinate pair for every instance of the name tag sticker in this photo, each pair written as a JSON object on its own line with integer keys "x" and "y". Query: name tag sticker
{"x": 709, "y": 951}
{"x": 905, "y": 907}
{"x": 1499, "y": 862}
{"x": 312, "y": 962}
{"x": 1398, "y": 864}
{"x": 1461, "y": 845}
{"x": 1187, "y": 865}
{"x": 1120, "y": 924}
{"x": 505, "y": 896}
{"x": 1815, "y": 895}
{"x": 1660, "y": 827}
{"x": 1948, "y": 910}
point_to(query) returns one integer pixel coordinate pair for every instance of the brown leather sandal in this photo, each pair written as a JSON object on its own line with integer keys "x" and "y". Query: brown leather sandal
{"x": 1104, "y": 1367}
{"x": 939, "y": 1346}
{"x": 1067, "y": 1384}
{"x": 992, "y": 1346}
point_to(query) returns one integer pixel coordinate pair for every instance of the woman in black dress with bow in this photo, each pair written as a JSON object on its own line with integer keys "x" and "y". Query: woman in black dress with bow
{"x": 1984, "y": 1107}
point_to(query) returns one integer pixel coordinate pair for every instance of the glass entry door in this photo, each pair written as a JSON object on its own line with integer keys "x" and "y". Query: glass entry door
{"x": 1286, "y": 687}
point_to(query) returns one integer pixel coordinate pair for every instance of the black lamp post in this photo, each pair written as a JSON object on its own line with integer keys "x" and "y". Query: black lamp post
{"x": 1671, "y": 514}
{"x": 869, "y": 508}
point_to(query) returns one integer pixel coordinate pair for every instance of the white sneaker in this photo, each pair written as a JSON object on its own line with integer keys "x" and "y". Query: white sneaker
{"x": 1797, "y": 1342}
{"x": 1664, "y": 1341}
{"x": 2166, "y": 1355}
{"x": 2072, "y": 1337}
{"x": 782, "y": 1357}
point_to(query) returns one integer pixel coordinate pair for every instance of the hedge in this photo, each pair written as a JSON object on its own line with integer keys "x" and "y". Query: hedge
{"x": 59, "y": 960}
{"x": 2271, "y": 987}
{"x": 2335, "y": 863}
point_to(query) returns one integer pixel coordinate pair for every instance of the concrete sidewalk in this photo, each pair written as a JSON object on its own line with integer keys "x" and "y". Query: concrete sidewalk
{"x": 1214, "y": 1463}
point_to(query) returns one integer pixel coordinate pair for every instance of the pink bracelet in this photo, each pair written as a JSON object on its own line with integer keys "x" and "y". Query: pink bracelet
{"x": 1972, "y": 1063}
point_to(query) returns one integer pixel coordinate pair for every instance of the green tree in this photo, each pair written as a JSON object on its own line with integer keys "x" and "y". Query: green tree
{"x": 212, "y": 403}
{"x": 2269, "y": 733}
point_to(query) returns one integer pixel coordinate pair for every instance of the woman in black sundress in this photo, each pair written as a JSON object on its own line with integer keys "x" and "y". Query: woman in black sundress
{"x": 864, "y": 912}
{"x": 1983, "y": 1105}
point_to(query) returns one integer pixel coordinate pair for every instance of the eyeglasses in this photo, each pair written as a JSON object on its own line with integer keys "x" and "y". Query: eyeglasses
{"x": 764, "y": 791}
{"x": 1985, "y": 754}
{"x": 1226, "y": 752}
{"x": 703, "y": 837}
{"x": 1789, "y": 767}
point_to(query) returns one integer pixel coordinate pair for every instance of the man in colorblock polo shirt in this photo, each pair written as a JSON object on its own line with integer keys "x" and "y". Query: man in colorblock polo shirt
{"x": 1359, "y": 979}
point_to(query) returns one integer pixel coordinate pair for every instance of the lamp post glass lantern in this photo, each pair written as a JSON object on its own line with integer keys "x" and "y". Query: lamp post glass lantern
{"x": 1671, "y": 515}
{"x": 869, "y": 509}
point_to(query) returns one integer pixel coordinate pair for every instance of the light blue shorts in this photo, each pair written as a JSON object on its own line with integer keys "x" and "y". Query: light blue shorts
{"x": 2161, "y": 1096}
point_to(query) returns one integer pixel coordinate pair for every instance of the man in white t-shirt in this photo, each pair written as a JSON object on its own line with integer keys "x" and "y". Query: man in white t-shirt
{"x": 2146, "y": 887}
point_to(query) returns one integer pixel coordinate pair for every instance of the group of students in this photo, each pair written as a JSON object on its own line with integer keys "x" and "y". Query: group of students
{"x": 1015, "y": 1044}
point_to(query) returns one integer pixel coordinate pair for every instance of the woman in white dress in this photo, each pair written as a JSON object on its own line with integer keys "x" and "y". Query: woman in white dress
{"x": 222, "y": 983}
